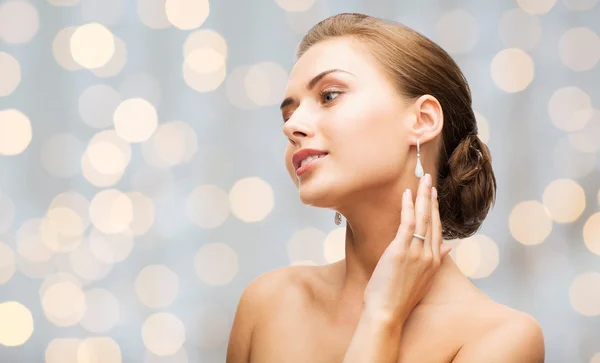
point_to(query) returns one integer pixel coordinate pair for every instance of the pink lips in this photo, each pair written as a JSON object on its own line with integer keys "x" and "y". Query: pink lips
{"x": 303, "y": 154}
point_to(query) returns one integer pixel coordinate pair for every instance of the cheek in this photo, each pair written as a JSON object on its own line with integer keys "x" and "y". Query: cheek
{"x": 371, "y": 141}
{"x": 367, "y": 129}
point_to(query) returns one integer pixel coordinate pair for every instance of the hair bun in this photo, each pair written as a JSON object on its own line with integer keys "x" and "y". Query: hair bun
{"x": 468, "y": 190}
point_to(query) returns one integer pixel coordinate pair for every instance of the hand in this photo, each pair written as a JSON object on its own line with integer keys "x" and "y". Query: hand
{"x": 405, "y": 270}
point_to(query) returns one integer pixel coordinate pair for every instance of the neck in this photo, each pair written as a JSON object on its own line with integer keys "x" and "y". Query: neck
{"x": 370, "y": 228}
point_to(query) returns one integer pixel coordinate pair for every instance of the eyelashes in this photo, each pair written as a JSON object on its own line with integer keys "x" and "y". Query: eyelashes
{"x": 322, "y": 95}
{"x": 327, "y": 92}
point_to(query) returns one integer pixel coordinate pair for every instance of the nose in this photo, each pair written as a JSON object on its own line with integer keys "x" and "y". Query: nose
{"x": 298, "y": 128}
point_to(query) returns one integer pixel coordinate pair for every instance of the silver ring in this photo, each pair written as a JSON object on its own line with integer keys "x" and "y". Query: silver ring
{"x": 418, "y": 236}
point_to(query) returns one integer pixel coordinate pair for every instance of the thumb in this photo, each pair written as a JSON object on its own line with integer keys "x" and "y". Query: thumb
{"x": 445, "y": 250}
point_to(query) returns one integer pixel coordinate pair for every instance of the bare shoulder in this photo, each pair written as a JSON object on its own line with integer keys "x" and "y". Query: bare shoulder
{"x": 276, "y": 288}
{"x": 281, "y": 283}
{"x": 511, "y": 336}
{"x": 266, "y": 294}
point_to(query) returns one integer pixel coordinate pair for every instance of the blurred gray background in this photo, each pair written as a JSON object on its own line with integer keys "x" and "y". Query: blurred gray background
{"x": 142, "y": 181}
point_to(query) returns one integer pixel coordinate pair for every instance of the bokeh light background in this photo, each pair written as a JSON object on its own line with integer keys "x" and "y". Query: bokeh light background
{"x": 142, "y": 183}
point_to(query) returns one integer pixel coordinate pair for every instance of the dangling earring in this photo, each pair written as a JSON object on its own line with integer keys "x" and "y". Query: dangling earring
{"x": 419, "y": 168}
{"x": 338, "y": 218}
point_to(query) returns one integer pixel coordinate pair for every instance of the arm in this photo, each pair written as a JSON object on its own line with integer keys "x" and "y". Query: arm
{"x": 260, "y": 296}
{"x": 518, "y": 340}
{"x": 376, "y": 339}
{"x": 240, "y": 338}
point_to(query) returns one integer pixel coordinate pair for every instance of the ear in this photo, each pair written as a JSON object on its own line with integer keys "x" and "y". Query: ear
{"x": 429, "y": 118}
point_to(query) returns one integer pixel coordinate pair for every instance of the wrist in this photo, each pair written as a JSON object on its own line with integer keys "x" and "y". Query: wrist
{"x": 384, "y": 321}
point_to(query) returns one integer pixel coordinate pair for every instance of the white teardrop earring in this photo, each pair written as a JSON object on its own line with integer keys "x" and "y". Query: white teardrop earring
{"x": 419, "y": 168}
{"x": 337, "y": 219}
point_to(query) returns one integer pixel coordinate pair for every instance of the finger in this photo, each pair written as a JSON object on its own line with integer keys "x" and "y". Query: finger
{"x": 423, "y": 213}
{"x": 407, "y": 219}
{"x": 445, "y": 250}
{"x": 436, "y": 226}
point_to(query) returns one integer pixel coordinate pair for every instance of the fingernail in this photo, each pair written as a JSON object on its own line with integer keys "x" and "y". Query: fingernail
{"x": 408, "y": 193}
{"x": 428, "y": 180}
{"x": 434, "y": 193}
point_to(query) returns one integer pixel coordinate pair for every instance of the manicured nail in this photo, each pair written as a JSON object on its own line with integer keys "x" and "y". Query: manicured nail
{"x": 428, "y": 180}
{"x": 408, "y": 193}
{"x": 434, "y": 193}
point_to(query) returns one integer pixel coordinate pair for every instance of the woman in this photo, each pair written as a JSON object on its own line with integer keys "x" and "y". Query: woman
{"x": 374, "y": 109}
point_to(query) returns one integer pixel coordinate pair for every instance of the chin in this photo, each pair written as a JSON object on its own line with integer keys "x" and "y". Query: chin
{"x": 318, "y": 193}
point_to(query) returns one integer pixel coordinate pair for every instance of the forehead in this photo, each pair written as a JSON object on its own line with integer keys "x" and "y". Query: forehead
{"x": 343, "y": 53}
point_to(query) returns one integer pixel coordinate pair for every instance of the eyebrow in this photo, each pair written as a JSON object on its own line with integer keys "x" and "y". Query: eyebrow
{"x": 310, "y": 85}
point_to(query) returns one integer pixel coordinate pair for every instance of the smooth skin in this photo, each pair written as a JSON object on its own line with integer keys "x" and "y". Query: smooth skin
{"x": 389, "y": 299}
{"x": 400, "y": 280}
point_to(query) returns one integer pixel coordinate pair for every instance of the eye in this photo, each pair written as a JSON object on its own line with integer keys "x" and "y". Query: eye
{"x": 325, "y": 95}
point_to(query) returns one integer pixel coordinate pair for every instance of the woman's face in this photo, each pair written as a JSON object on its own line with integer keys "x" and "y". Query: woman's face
{"x": 354, "y": 115}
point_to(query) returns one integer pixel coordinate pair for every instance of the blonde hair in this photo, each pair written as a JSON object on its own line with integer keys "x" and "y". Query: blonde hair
{"x": 417, "y": 66}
